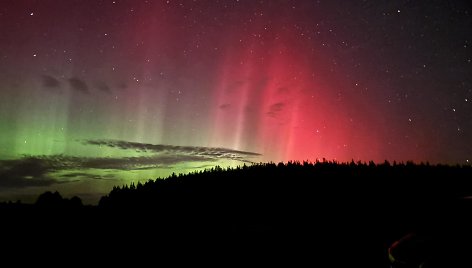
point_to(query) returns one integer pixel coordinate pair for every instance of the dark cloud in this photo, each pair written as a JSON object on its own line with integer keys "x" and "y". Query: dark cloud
{"x": 50, "y": 82}
{"x": 75, "y": 174}
{"x": 275, "y": 109}
{"x": 140, "y": 163}
{"x": 212, "y": 152}
{"x": 283, "y": 90}
{"x": 122, "y": 85}
{"x": 36, "y": 171}
{"x": 37, "y": 168}
{"x": 86, "y": 176}
{"x": 102, "y": 86}
{"x": 225, "y": 106}
{"x": 201, "y": 166}
{"x": 25, "y": 172}
{"x": 78, "y": 85}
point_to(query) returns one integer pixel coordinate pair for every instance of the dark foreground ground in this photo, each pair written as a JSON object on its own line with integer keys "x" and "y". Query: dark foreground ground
{"x": 319, "y": 215}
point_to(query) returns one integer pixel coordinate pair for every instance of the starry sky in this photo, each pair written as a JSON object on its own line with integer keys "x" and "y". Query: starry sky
{"x": 101, "y": 93}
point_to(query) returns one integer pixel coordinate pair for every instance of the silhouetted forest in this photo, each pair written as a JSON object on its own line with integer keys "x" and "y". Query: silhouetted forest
{"x": 327, "y": 212}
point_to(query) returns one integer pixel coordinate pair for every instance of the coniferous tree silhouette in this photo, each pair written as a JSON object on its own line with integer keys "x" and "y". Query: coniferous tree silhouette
{"x": 326, "y": 205}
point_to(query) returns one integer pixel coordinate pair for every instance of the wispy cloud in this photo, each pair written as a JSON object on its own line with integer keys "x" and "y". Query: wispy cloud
{"x": 225, "y": 106}
{"x": 25, "y": 172}
{"x": 78, "y": 85}
{"x": 122, "y": 85}
{"x": 102, "y": 86}
{"x": 50, "y": 82}
{"x": 211, "y": 152}
{"x": 135, "y": 163}
{"x": 51, "y": 169}
{"x": 75, "y": 175}
{"x": 60, "y": 162}
{"x": 275, "y": 109}
{"x": 164, "y": 155}
{"x": 84, "y": 175}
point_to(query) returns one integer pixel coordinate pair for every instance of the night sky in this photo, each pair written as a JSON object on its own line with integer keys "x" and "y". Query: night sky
{"x": 101, "y": 93}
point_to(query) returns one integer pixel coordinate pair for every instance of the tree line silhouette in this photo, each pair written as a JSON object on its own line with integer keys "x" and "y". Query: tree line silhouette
{"x": 328, "y": 206}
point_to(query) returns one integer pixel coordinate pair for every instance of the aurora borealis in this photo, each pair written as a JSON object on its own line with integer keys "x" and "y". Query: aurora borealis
{"x": 101, "y": 93}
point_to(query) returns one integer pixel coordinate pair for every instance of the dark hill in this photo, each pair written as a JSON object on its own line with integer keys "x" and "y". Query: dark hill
{"x": 326, "y": 212}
